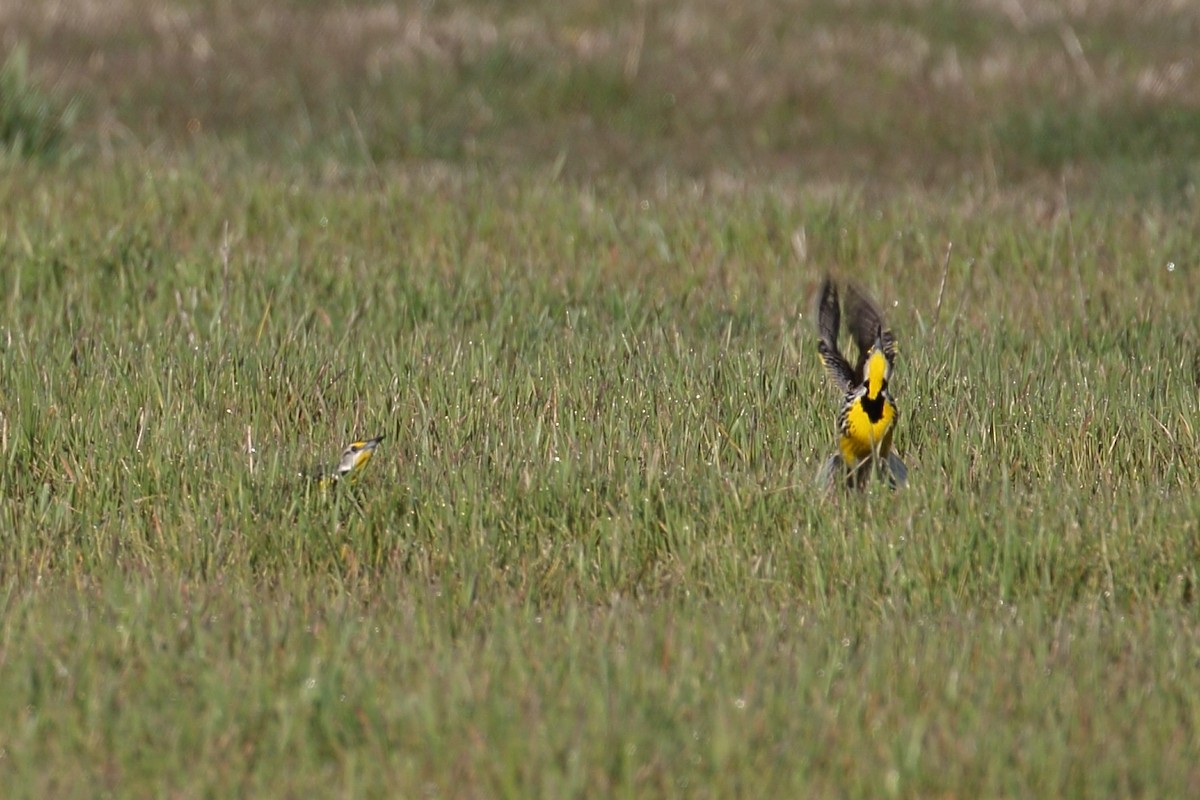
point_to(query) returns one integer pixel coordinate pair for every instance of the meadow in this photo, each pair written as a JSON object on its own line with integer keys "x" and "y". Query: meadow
{"x": 563, "y": 256}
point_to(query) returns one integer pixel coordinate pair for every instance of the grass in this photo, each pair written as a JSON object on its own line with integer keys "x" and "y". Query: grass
{"x": 589, "y": 559}
{"x": 590, "y": 555}
{"x": 921, "y": 93}
{"x": 33, "y": 124}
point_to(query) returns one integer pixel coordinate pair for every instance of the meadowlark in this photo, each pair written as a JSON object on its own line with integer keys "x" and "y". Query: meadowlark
{"x": 349, "y": 469}
{"x": 868, "y": 416}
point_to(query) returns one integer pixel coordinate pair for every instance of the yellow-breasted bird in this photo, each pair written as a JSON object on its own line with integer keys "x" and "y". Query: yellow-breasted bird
{"x": 354, "y": 458}
{"x": 868, "y": 416}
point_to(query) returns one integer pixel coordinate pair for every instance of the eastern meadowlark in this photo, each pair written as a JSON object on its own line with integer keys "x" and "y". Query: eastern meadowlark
{"x": 868, "y": 416}
{"x": 349, "y": 469}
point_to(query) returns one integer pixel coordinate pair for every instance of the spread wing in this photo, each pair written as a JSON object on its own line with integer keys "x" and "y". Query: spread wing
{"x": 888, "y": 340}
{"x": 829, "y": 317}
{"x": 865, "y": 323}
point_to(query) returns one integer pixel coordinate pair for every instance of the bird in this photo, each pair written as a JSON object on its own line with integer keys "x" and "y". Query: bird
{"x": 349, "y": 468}
{"x": 867, "y": 420}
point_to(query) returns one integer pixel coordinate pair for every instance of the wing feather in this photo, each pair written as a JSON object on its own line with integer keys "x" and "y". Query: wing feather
{"x": 865, "y": 323}
{"x": 829, "y": 318}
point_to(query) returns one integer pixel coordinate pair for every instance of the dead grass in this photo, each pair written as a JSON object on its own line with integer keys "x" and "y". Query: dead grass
{"x": 925, "y": 91}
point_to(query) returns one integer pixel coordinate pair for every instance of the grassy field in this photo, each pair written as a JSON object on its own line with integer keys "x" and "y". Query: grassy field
{"x": 563, "y": 257}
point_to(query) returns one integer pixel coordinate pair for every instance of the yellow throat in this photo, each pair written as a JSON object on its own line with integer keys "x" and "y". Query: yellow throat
{"x": 868, "y": 419}
{"x": 876, "y": 369}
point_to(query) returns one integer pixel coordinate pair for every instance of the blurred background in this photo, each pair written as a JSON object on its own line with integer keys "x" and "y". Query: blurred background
{"x": 1102, "y": 94}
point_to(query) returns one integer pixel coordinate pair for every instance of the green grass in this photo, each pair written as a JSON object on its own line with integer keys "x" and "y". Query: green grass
{"x": 590, "y": 556}
{"x": 563, "y": 258}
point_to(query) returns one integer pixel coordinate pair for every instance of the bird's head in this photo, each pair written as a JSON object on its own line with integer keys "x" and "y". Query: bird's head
{"x": 357, "y": 454}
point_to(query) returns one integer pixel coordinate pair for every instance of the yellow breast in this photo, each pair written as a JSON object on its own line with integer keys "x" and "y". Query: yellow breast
{"x": 361, "y": 461}
{"x": 861, "y": 436}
